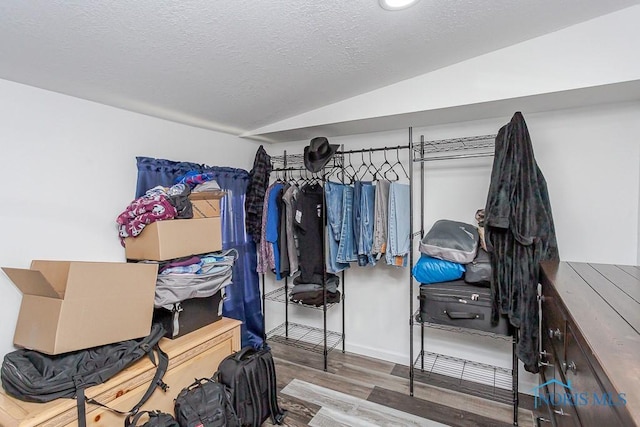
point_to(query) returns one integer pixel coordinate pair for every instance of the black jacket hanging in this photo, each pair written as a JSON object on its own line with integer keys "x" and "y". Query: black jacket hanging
{"x": 256, "y": 189}
{"x": 519, "y": 234}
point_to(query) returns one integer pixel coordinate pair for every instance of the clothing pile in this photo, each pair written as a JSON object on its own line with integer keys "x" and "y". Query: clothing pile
{"x": 157, "y": 204}
{"x": 162, "y": 203}
{"x": 197, "y": 276}
{"x": 312, "y": 294}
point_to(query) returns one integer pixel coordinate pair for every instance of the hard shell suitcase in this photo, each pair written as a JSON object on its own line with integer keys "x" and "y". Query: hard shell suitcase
{"x": 458, "y": 304}
{"x": 189, "y": 315}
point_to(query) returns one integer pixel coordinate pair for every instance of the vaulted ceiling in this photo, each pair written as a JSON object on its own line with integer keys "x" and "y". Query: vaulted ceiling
{"x": 235, "y": 66}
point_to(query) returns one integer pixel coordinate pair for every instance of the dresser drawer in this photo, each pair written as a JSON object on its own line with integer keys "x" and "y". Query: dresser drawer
{"x": 599, "y": 358}
{"x": 553, "y": 398}
{"x": 554, "y": 326}
{"x": 594, "y": 405}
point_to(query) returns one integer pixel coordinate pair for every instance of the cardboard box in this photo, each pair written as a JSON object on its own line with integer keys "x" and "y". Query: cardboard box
{"x": 73, "y": 305}
{"x": 206, "y": 204}
{"x": 193, "y": 314}
{"x": 175, "y": 238}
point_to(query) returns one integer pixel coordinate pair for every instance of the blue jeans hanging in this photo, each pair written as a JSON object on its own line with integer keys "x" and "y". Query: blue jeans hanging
{"x": 365, "y": 236}
{"x": 346, "y": 248}
{"x": 334, "y": 194}
{"x": 399, "y": 228}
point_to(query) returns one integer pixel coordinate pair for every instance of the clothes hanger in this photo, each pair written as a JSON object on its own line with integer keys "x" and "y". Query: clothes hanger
{"x": 291, "y": 179}
{"x": 350, "y": 171}
{"x": 389, "y": 168}
{"x": 333, "y": 172}
{"x": 308, "y": 177}
{"x": 398, "y": 162}
{"x": 362, "y": 169}
{"x": 372, "y": 168}
{"x": 302, "y": 177}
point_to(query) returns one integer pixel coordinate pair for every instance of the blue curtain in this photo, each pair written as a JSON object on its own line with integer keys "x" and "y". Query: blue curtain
{"x": 243, "y": 296}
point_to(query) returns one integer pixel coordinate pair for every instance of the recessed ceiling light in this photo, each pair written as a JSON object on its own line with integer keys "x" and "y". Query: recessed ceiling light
{"x": 396, "y": 4}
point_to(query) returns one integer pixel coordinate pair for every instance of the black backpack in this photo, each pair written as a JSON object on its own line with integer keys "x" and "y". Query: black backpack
{"x": 36, "y": 377}
{"x": 250, "y": 376}
{"x": 205, "y": 403}
{"x": 156, "y": 419}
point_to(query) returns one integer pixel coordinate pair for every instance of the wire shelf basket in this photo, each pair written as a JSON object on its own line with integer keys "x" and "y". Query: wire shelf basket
{"x": 454, "y": 148}
{"x": 304, "y": 337}
{"x": 475, "y": 378}
{"x": 459, "y": 330}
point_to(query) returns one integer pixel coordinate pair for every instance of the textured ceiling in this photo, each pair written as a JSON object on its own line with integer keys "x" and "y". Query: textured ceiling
{"x": 238, "y": 65}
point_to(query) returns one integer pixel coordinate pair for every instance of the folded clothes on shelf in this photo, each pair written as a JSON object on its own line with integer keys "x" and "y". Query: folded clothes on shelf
{"x": 311, "y": 287}
{"x": 331, "y": 279}
{"x": 315, "y": 298}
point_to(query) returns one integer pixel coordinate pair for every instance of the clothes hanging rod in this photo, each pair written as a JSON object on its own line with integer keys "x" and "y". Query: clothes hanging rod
{"x": 295, "y": 169}
{"x": 299, "y": 157}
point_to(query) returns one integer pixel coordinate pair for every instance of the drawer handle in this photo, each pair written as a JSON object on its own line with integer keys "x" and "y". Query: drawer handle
{"x": 543, "y": 356}
{"x": 555, "y": 333}
{"x": 561, "y": 412}
{"x": 571, "y": 366}
{"x": 540, "y": 420}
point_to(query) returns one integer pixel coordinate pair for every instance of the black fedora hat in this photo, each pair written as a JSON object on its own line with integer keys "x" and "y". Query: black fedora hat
{"x": 318, "y": 153}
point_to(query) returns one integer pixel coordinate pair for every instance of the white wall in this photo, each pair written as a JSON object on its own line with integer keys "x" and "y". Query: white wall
{"x": 590, "y": 158}
{"x": 69, "y": 169}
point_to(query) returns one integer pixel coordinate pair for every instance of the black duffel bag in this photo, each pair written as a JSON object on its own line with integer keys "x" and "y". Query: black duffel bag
{"x": 36, "y": 377}
{"x": 205, "y": 403}
{"x": 478, "y": 272}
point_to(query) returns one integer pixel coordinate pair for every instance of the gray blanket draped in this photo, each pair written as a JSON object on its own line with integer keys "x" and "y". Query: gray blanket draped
{"x": 519, "y": 234}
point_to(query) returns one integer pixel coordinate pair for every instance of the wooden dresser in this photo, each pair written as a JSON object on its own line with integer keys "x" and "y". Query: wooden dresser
{"x": 194, "y": 355}
{"x": 591, "y": 343}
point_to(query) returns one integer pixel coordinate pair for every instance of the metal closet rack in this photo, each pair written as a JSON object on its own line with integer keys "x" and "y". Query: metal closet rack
{"x": 317, "y": 340}
{"x": 437, "y": 368}
{"x": 302, "y": 336}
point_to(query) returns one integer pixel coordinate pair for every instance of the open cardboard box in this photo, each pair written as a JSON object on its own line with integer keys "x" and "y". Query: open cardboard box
{"x": 175, "y": 238}
{"x": 206, "y": 204}
{"x": 73, "y": 305}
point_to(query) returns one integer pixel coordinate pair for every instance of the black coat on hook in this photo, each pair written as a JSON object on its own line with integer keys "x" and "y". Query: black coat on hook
{"x": 519, "y": 233}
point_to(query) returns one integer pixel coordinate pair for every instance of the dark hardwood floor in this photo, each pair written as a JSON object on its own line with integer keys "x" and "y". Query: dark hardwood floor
{"x": 376, "y": 390}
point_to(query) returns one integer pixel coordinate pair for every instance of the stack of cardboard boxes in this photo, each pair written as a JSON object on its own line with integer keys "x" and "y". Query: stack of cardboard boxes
{"x": 171, "y": 239}
{"x": 74, "y": 305}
